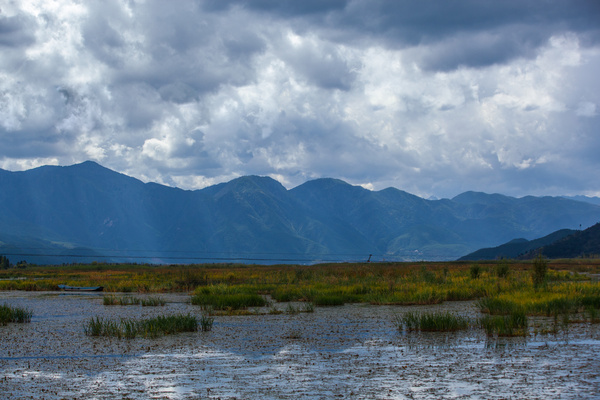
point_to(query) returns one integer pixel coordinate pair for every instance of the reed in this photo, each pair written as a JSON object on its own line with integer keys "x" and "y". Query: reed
{"x": 240, "y": 301}
{"x": 14, "y": 314}
{"x": 112, "y": 300}
{"x": 328, "y": 299}
{"x": 150, "y": 327}
{"x": 513, "y": 324}
{"x": 432, "y": 321}
{"x": 153, "y": 301}
{"x": 206, "y": 323}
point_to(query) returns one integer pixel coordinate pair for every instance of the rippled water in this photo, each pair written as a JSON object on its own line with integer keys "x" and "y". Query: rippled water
{"x": 352, "y": 352}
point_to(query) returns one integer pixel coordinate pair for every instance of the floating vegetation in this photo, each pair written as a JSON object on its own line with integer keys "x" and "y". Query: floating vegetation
{"x": 150, "y": 327}
{"x": 10, "y": 314}
{"x": 432, "y": 321}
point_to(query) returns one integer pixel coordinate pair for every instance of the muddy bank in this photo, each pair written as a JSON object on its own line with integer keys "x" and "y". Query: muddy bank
{"x": 353, "y": 352}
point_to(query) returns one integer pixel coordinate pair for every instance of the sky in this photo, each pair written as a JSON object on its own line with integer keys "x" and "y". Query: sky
{"x": 431, "y": 97}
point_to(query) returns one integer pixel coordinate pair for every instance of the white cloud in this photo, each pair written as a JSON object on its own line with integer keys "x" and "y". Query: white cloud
{"x": 173, "y": 93}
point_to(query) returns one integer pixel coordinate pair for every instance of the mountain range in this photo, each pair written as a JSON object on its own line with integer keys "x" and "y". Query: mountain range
{"x": 87, "y": 212}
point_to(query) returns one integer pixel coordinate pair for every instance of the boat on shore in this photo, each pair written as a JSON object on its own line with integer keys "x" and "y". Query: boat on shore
{"x": 81, "y": 288}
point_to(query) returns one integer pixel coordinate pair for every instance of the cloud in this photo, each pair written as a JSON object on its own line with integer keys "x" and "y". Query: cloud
{"x": 462, "y": 95}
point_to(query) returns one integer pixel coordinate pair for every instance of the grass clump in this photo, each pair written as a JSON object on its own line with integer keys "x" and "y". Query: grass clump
{"x": 236, "y": 301}
{"x": 502, "y": 270}
{"x": 14, "y": 314}
{"x": 112, "y": 300}
{"x": 474, "y": 271}
{"x": 150, "y": 327}
{"x": 432, "y": 321}
{"x": 206, "y": 323}
{"x": 513, "y": 324}
{"x": 326, "y": 299}
{"x": 539, "y": 271}
{"x": 153, "y": 301}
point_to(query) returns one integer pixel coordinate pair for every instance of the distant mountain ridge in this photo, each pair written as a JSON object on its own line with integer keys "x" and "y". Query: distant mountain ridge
{"x": 583, "y": 244}
{"x": 517, "y": 247}
{"x": 52, "y": 214}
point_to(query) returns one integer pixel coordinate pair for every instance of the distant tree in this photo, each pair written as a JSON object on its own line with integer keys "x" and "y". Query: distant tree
{"x": 4, "y": 263}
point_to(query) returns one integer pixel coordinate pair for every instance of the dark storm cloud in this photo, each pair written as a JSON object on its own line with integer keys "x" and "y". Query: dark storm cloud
{"x": 286, "y": 8}
{"x": 471, "y": 33}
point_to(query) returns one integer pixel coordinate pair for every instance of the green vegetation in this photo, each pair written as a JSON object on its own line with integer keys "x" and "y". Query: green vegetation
{"x": 475, "y": 270}
{"x": 502, "y": 270}
{"x": 539, "y": 271}
{"x": 513, "y": 324}
{"x": 501, "y": 288}
{"x": 206, "y": 323}
{"x": 432, "y": 322}
{"x": 149, "y": 328}
{"x": 14, "y": 314}
{"x": 226, "y": 298}
{"x": 152, "y": 301}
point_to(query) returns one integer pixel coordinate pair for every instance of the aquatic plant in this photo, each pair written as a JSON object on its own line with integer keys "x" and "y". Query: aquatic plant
{"x": 206, "y": 322}
{"x": 513, "y": 324}
{"x": 497, "y": 305}
{"x": 441, "y": 321}
{"x": 153, "y": 301}
{"x": 14, "y": 314}
{"x": 328, "y": 299}
{"x": 290, "y": 309}
{"x": 112, "y": 300}
{"x": 150, "y": 327}
{"x": 228, "y": 301}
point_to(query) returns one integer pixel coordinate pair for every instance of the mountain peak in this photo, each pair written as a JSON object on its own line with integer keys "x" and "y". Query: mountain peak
{"x": 472, "y": 197}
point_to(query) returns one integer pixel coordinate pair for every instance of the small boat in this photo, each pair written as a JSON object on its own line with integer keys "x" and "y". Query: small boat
{"x": 81, "y": 288}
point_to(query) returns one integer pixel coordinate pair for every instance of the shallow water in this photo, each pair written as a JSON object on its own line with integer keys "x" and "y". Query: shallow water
{"x": 353, "y": 352}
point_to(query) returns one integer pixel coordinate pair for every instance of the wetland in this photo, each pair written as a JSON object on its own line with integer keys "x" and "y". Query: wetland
{"x": 356, "y": 350}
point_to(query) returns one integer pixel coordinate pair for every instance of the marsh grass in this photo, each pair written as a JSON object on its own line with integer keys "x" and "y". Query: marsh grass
{"x": 232, "y": 286}
{"x": 513, "y": 324}
{"x": 206, "y": 323}
{"x": 10, "y": 314}
{"x": 432, "y": 321}
{"x": 150, "y": 328}
{"x": 327, "y": 300}
{"x": 112, "y": 300}
{"x": 153, "y": 301}
{"x": 238, "y": 301}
